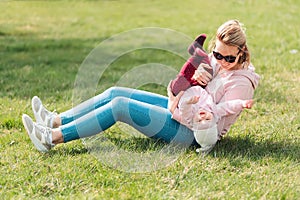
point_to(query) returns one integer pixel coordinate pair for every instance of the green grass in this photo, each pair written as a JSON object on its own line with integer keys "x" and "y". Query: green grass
{"x": 42, "y": 45}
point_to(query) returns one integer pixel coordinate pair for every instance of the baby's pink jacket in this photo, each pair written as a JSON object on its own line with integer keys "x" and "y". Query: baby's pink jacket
{"x": 185, "y": 112}
{"x": 230, "y": 85}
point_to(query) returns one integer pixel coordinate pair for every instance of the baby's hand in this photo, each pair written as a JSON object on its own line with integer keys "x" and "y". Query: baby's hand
{"x": 248, "y": 103}
{"x": 193, "y": 100}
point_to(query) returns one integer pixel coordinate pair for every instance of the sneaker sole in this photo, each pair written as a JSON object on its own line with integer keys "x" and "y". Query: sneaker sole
{"x": 29, "y": 126}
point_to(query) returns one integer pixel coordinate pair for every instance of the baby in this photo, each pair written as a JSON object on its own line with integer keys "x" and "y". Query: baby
{"x": 197, "y": 110}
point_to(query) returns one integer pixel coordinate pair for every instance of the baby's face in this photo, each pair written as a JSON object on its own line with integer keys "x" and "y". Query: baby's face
{"x": 202, "y": 115}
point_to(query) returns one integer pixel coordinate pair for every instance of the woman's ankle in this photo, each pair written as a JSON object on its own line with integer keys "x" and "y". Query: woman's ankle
{"x": 57, "y": 121}
{"x": 57, "y": 136}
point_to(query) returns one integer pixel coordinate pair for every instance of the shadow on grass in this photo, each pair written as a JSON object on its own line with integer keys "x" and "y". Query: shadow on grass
{"x": 31, "y": 66}
{"x": 48, "y": 67}
{"x": 257, "y": 150}
{"x": 68, "y": 151}
{"x": 134, "y": 144}
{"x": 238, "y": 147}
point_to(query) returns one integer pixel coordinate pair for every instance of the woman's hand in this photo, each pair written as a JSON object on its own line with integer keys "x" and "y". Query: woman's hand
{"x": 201, "y": 75}
{"x": 173, "y": 100}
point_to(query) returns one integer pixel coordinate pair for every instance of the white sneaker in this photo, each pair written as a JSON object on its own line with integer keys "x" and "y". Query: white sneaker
{"x": 41, "y": 114}
{"x": 40, "y": 136}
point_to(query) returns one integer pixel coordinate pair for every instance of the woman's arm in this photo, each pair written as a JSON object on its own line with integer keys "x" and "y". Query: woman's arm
{"x": 173, "y": 100}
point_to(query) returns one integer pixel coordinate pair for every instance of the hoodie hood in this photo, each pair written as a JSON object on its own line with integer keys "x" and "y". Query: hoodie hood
{"x": 250, "y": 74}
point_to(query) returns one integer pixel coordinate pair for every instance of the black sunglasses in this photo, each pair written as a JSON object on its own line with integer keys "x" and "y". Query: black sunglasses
{"x": 218, "y": 56}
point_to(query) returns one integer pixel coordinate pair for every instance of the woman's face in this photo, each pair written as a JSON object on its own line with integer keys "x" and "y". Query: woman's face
{"x": 226, "y": 50}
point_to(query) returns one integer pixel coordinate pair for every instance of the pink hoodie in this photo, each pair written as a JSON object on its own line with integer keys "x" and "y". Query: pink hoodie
{"x": 230, "y": 85}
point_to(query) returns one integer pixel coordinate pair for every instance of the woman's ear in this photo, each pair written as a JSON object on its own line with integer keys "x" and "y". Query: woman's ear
{"x": 242, "y": 58}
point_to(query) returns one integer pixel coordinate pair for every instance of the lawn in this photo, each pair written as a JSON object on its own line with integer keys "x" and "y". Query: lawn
{"x": 44, "y": 49}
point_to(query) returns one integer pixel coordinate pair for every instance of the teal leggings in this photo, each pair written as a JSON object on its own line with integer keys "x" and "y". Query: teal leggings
{"x": 145, "y": 111}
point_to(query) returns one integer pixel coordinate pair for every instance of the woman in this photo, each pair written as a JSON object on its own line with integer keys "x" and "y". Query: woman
{"x": 151, "y": 114}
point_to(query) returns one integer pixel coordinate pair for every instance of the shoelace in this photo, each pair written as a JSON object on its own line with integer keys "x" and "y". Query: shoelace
{"x": 45, "y": 135}
{"x": 48, "y": 116}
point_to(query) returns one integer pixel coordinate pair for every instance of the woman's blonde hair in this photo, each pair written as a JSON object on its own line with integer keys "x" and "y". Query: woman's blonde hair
{"x": 232, "y": 33}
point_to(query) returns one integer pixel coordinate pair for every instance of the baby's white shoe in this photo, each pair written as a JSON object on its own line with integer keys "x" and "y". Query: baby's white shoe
{"x": 205, "y": 149}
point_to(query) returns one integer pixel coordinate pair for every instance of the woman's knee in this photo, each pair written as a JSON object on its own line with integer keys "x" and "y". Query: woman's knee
{"x": 115, "y": 91}
{"x": 119, "y": 104}
{"x": 111, "y": 90}
{"x": 109, "y": 93}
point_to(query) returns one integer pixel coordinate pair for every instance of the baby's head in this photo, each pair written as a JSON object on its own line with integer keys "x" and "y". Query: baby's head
{"x": 205, "y": 128}
{"x": 202, "y": 116}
